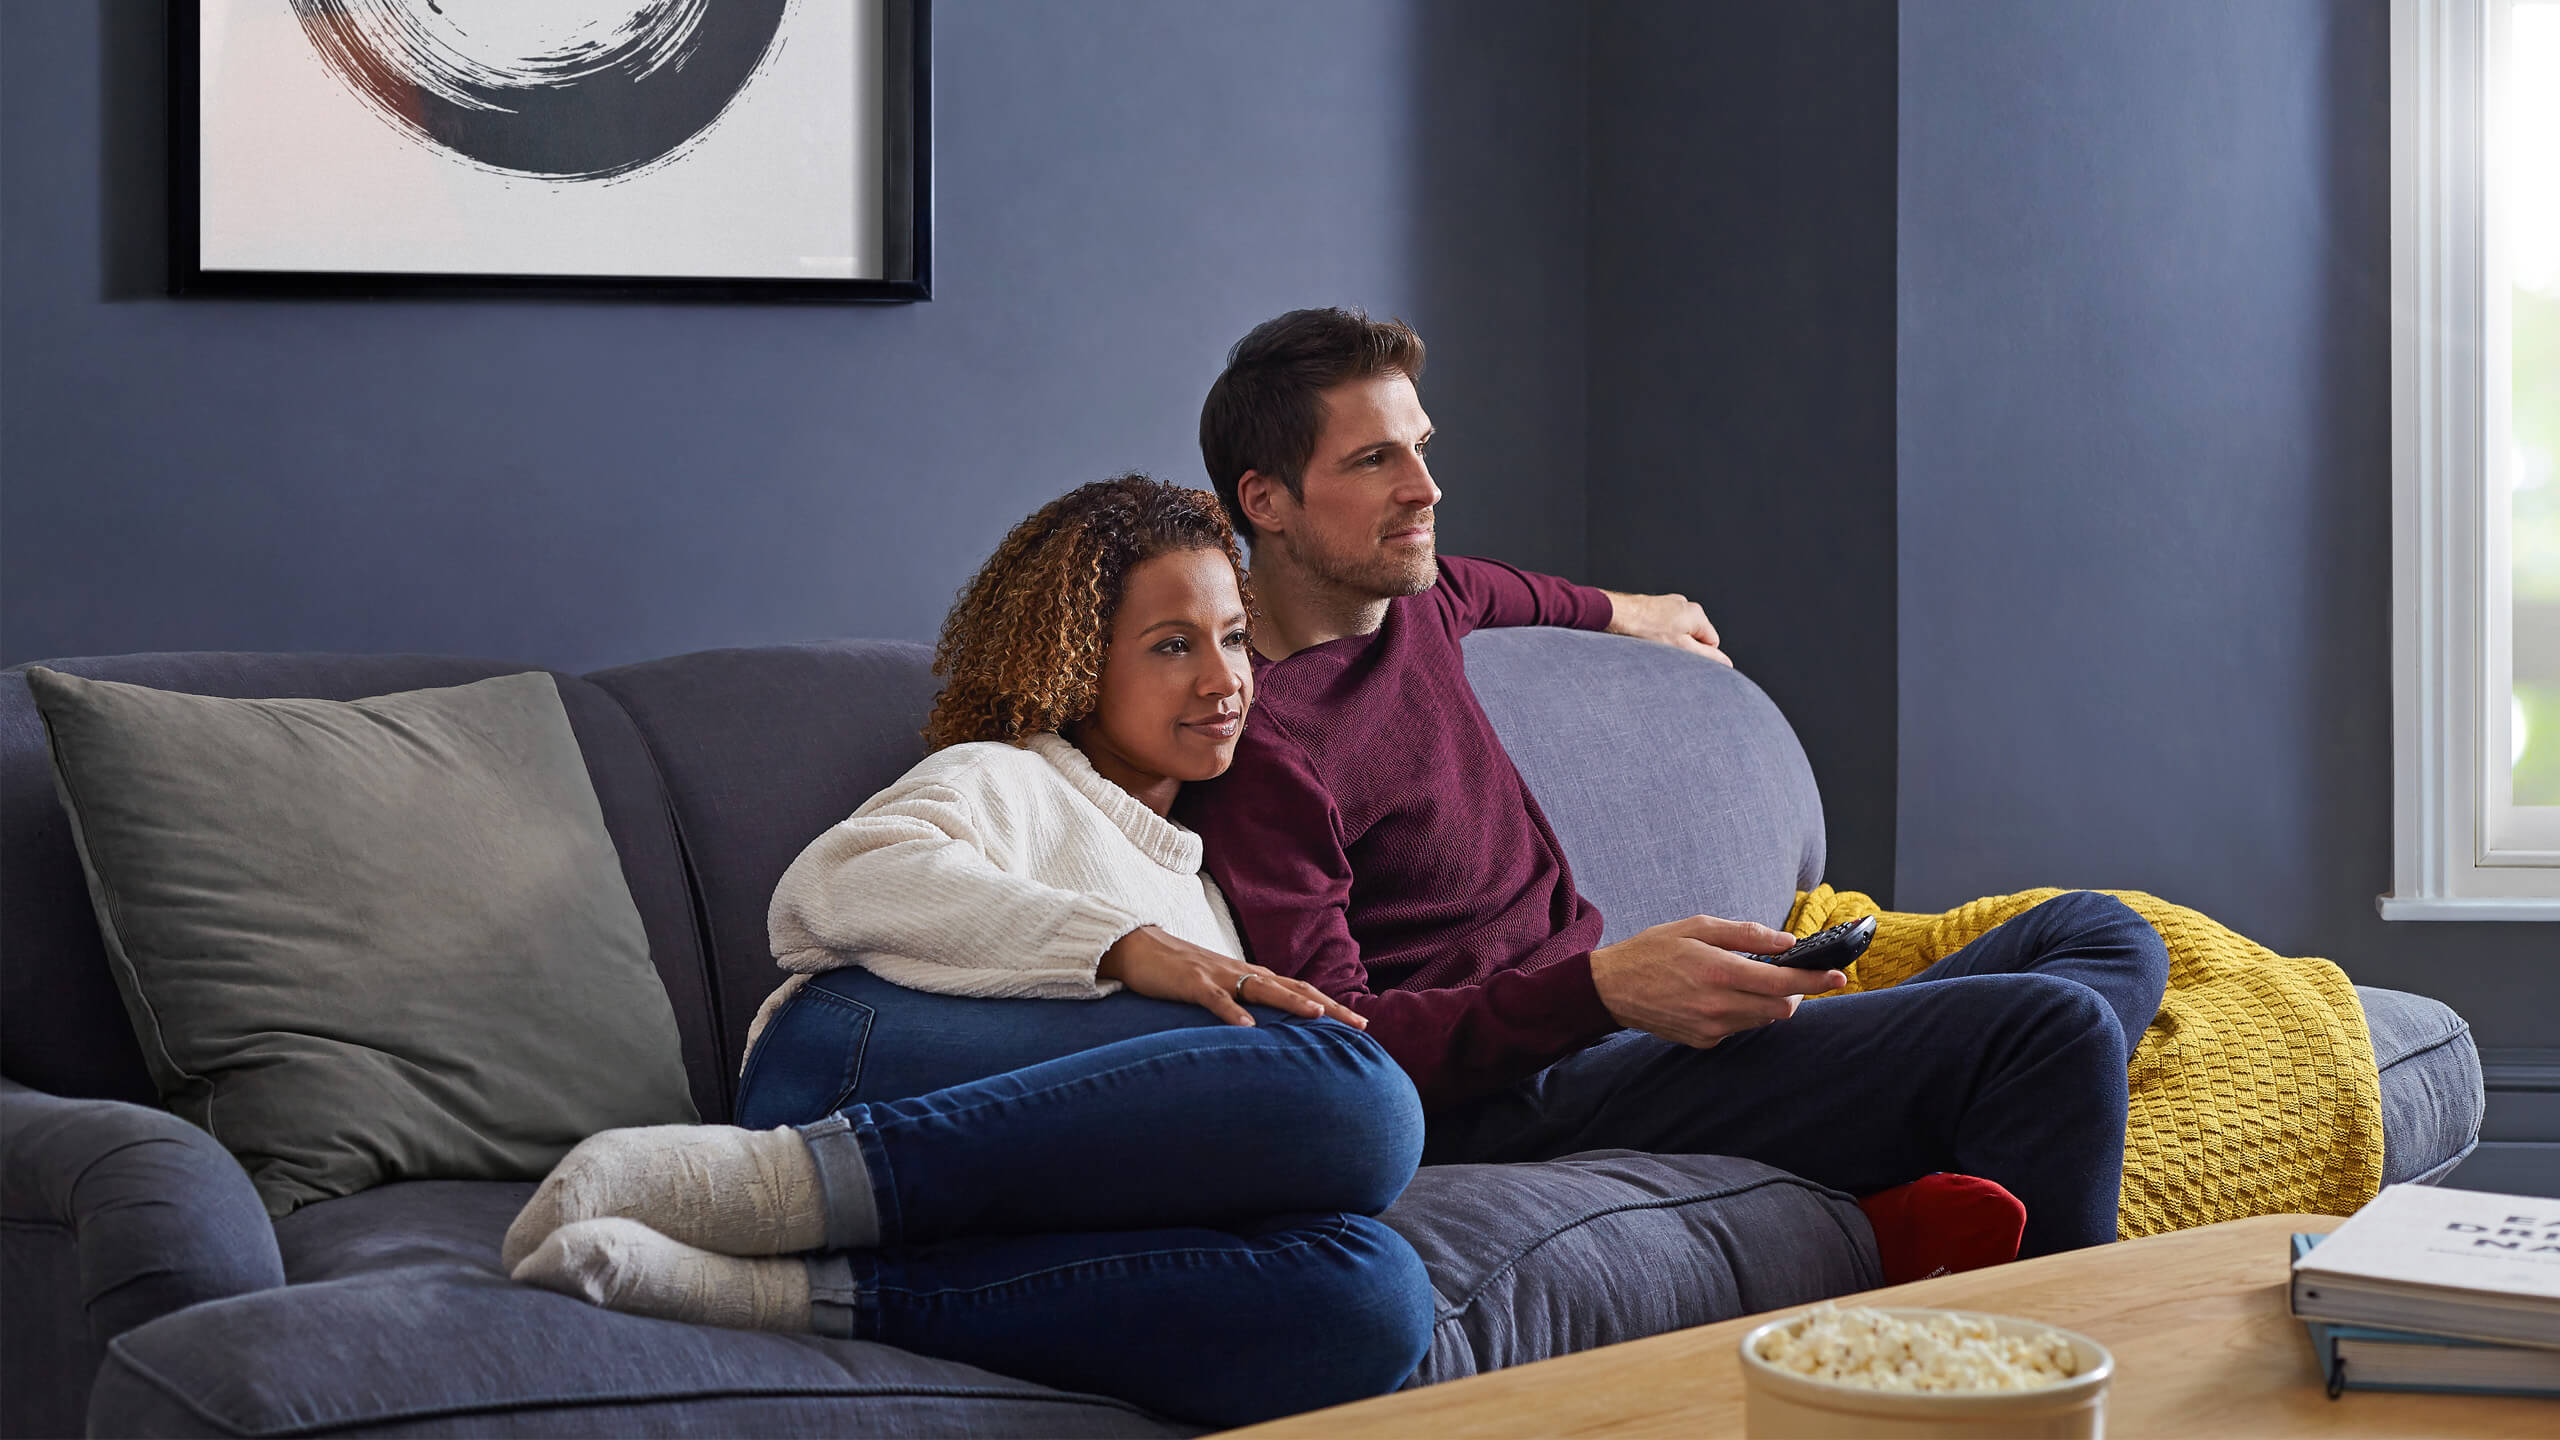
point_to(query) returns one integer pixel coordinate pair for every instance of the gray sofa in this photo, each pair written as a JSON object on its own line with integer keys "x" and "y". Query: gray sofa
{"x": 145, "y": 1291}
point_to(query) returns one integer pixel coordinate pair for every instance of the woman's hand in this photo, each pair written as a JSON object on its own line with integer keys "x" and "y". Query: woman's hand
{"x": 1151, "y": 962}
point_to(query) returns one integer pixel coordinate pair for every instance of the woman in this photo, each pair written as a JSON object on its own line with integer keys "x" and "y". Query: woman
{"x": 1179, "y": 1216}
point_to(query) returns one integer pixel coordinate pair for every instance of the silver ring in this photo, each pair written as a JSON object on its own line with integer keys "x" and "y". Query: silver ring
{"x": 1239, "y": 989}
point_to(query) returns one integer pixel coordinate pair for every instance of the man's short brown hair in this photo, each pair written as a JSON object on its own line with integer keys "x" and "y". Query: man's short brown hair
{"x": 1267, "y": 408}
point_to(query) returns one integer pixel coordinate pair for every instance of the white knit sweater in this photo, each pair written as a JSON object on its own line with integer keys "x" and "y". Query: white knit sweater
{"x": 991, "y": 870}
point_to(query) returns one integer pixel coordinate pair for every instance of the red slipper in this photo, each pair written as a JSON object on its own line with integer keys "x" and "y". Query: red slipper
{"x": 1943, "y": 1224}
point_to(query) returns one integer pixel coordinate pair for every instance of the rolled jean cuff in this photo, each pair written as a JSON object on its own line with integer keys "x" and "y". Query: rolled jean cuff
{"x": 853, "y": 1179}
{"x": 836, "y": 1290}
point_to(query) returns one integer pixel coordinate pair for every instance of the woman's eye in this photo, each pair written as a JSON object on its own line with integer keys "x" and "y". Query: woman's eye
{"x": 1175, "y": 646}
{"x": 1236, "y": 640}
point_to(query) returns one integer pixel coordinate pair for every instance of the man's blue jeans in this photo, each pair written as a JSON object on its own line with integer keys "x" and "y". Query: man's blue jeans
{"x": 2005, "y": 1060}
{"x": 1122, "y": 1200}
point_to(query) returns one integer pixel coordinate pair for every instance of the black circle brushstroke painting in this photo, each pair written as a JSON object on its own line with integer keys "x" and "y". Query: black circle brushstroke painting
{"x": 561, "y": 89}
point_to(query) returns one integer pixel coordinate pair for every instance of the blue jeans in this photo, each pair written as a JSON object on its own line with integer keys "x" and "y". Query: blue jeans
{"x": 1177, "y": 1213}
{"x": 2005, "y": 1060}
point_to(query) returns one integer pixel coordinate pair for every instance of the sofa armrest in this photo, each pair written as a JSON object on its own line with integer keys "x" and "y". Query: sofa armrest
{"x": 159, "y": 1214}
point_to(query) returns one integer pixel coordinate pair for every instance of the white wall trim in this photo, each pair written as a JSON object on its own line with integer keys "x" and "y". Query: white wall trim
{"x": 2459, "y": 907}
{"x": 2444, "y": 866}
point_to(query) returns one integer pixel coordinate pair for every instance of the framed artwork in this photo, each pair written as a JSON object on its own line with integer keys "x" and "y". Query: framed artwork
{"x": 717, "y": 149}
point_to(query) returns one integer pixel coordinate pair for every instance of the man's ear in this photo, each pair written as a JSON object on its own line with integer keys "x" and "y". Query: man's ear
{"x": 1262, "y": 498}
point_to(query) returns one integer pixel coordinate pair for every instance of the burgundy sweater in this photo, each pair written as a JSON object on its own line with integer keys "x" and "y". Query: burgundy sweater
{"x": 1375, "y": 840}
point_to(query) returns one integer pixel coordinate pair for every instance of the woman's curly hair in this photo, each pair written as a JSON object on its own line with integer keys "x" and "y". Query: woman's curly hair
{"x": 1023, "y": 646}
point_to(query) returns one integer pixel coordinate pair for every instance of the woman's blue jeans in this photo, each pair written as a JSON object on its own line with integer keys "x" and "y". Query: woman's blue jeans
{"x": 1109, "y": 1195}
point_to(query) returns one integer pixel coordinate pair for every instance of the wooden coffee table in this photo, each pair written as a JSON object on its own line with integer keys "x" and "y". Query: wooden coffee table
{"x": 2196, "y": 1320}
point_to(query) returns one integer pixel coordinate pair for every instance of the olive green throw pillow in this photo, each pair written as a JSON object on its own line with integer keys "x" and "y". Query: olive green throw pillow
{"x": 386, "y": 939}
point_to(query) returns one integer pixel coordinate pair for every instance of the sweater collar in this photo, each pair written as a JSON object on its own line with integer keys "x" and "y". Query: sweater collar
{"x": 1159, "y": 839}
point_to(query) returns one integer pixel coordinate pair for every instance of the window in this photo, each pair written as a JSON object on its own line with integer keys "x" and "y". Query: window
{"x": 2475, "y": 259}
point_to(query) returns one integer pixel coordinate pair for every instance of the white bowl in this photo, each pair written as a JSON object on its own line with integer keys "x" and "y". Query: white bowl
{"x": 1781, "y": 1405}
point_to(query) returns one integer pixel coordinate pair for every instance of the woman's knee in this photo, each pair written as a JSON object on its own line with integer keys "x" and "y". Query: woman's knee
{"x": 1381, "y": 1314}
{"x": 1364, "y": 1106}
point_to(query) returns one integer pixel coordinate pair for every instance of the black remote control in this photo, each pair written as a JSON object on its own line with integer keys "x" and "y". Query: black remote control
{"x": 1832, "y": 949}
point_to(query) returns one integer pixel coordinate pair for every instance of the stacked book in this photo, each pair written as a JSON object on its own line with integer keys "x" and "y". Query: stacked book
{"x": 2434, "y": 1289}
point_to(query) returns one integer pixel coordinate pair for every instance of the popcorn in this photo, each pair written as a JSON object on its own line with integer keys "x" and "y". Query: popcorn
{"x": 1943, "y": 1353}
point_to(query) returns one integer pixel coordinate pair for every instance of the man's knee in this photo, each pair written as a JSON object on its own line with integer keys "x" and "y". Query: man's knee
{"x": 2069, "y": 1013}
{"x": 2090, "y": 911}
{"x": 2094, "y": 917}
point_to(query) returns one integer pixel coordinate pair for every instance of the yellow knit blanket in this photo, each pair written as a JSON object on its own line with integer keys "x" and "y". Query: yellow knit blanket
{"x": 2254, "y": 1093}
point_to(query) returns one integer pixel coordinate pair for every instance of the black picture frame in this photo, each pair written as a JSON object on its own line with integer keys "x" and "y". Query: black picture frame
{"x": 906, "y": 210}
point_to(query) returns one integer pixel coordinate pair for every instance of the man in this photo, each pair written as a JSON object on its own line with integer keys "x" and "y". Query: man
{"x": 1374, "y": 839}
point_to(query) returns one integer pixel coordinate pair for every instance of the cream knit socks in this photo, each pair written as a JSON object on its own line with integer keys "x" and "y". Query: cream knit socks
{"x": 723, "y": 1189}
{"x": 624, "y": 1265}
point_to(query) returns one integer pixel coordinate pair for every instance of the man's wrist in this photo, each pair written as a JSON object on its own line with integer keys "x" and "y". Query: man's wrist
{"x": 1571, "y": 995}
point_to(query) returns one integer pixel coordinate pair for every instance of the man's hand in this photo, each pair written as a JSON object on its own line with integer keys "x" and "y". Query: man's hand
{"x": 1683, "y": 981}
{"x": 1673, "y": 620}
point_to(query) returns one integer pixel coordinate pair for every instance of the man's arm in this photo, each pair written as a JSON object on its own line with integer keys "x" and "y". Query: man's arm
{"x": 1273, "y": 842}
{"x": 1674, "y": 620}
{"x": 1486, "y": 594}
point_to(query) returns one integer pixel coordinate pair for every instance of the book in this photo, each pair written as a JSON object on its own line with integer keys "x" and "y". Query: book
{"x": 2435, "y": 1261}
{"x": 2359, "y": 1357}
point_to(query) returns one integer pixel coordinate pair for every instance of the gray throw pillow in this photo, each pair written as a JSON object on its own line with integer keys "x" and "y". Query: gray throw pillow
{"x": 386, "y": 939}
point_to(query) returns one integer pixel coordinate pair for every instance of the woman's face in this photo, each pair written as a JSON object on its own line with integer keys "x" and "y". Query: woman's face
{"x": 1175, "y": 682}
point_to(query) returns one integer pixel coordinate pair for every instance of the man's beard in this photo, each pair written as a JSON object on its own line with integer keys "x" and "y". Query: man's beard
{"x": 1378, "y": 575}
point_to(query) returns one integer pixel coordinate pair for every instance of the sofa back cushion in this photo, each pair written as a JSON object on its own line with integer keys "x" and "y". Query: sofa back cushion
{"x": 63, "y": 1027}
{"x": 762, "y": 750}
{"x": 1674, "y": 784}
{"x": 367, "y": 940}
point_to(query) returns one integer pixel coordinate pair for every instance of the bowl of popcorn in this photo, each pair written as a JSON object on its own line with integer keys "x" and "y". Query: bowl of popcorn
{"x": 1904, "y": 1373}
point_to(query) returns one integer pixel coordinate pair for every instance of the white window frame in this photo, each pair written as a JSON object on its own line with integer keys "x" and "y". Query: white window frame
{"x": 2461, "y": 849}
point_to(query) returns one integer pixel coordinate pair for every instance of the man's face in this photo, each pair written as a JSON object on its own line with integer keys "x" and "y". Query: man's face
{"x": 1364, "y": 520}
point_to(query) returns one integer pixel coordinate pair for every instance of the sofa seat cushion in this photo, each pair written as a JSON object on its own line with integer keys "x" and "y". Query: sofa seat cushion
{"x": 1538, "y": 1260}
{"x": 2432, "y": 1101}
{"x": 398, "y": 1321}
{"x": 441, "y": 1349}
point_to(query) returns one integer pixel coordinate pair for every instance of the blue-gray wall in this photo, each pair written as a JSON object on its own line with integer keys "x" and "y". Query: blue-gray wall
{"x": 2038, "y": 464}
{"x": 1124, "y": 188}
{"x": 1742, "y": 352}
{"x": 2144, "y": 436}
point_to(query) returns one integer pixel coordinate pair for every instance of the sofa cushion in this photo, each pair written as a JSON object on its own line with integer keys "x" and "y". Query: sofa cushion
{"x": 2432, "y": 1100}
{"x": 1537, "y": 1260}
{"x": 438, "y": 1349}
{"x": 400, "y": 1286}
{"x": 1713, "y": 814}
{"x": 1527, "y": 1261}
{"x": 62, "y": 1026}
{"x": 367, "y": 940}
{"x": 762, "y": 750}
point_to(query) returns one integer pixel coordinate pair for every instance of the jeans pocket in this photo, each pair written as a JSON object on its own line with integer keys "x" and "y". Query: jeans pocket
{"x": 808, "y": 1061}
